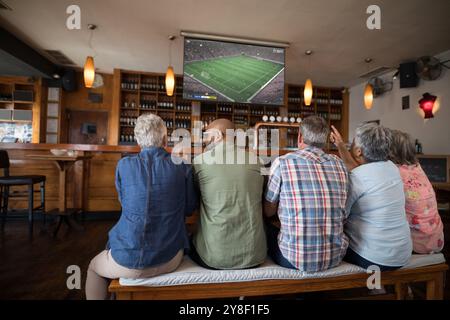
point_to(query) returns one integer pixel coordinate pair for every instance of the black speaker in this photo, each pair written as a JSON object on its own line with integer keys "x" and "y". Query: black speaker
{"x": 408, "y": 76}
{"x": 68, "y": 80}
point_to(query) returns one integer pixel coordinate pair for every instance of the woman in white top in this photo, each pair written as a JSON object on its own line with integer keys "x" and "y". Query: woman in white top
{"x": 376, "y": 225}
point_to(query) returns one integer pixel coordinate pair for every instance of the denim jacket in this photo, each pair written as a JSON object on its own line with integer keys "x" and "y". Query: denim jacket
{"x": 156, "y": 195}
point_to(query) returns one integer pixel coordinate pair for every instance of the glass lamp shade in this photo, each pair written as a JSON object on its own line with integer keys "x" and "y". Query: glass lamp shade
{"x": 170, "y": 81}
{"x": 89, "y": 72}
{"x": 427, "y": 105}
{"x": 308, "y": 92}
{"x": 368, "y": 97}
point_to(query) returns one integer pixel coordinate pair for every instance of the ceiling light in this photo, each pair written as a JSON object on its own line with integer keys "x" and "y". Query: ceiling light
{"x": 89, "y": 66}
{"x": 89, "y": 72}
{"x": 308, "y": 90}
{"x": 368, "y": 90}
{"x": 368, "y": 96}
{"x": 170, "y": 75}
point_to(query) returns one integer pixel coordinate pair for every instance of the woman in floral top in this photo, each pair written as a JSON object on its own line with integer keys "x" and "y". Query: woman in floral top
{"x": 421, "y": 205}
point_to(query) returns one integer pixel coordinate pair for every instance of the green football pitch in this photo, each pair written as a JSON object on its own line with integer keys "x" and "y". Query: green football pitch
{"x": 238, "y": 78}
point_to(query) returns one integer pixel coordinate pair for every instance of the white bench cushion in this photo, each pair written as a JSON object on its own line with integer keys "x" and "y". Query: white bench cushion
{"x": 190, "y": 273}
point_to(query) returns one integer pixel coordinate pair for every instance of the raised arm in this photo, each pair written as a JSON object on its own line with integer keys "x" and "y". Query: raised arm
{"x": 346, "y": 156}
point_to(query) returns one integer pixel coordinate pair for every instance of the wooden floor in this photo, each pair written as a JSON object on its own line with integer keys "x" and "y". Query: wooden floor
{"x": 36, "y": 269}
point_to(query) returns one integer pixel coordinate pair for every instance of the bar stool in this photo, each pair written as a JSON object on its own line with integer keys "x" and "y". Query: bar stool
{"x": 7, "y": 181}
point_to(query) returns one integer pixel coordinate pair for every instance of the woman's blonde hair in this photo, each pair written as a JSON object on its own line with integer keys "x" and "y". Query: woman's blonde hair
{"x": 403, "y": 151}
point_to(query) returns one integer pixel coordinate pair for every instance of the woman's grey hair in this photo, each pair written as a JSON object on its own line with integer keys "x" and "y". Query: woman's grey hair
{"x": 315, "y": 131}
{"x": 150, "y": 131}
{"x": 375, "y": 142}
{"x": 403, "y": 151}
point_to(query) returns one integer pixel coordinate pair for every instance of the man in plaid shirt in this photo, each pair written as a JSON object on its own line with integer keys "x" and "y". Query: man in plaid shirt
{"x": 308, "y": 189}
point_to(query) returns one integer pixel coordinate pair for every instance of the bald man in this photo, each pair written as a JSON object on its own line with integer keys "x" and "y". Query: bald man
{"x": 231, "y": 231}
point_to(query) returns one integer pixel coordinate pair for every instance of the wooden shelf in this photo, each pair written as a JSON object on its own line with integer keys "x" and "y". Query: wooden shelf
{"x": 333, "y": 104}
{"x": 11, "y": 85}
{"x": 17, "y": 121}
{"x": 23, "y": 102}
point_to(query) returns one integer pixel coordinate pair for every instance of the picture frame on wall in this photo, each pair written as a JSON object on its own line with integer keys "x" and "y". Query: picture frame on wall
{"x": 405, "y": 102}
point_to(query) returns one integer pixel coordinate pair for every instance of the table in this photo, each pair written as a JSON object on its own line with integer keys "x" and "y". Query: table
{"x": 64, "y": 163}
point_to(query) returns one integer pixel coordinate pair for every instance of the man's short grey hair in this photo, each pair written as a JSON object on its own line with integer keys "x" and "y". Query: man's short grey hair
{"x": 315, "y": 131}
{"x": 374, "y": 140}
{"x": 150, "y": 131}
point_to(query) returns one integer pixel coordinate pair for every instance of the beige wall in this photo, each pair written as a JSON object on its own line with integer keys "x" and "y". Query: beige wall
{"x": 434, "y": 134}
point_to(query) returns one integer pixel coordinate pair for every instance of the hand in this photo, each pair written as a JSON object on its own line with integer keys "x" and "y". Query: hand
{"x": 335, "y": 137}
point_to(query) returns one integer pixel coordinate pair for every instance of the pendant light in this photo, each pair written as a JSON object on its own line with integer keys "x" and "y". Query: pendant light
{"x": 308, "y": 91}
{"x": 368, "y": 90}
{"x": 368, "y": 96}
{"x": 89, "y": 72}
{"x": 89, "y": 66}
{"x": 170, "y": 75}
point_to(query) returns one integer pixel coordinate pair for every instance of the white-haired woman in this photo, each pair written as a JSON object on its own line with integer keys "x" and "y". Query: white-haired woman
{"x": 156, "y": 194}
{"x": 376, "y": 225}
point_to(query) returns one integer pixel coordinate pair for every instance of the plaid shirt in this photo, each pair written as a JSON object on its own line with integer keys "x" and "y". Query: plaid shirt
{"x": 311, "y": 188}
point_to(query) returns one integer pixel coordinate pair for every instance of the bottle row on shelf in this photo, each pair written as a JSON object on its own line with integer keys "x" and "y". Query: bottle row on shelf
{"x": 130, "y": 84}
{"x": 240, "y": 120}
{"x": 127, "y": 138}
{"x": 180, "y": 122}
{"x": 335, "y": 116}
{"x": 257, "y": 112}
{"x": 130, "y": 104}
{"x": 326, "y": 115}
{"x": 331, "y": 101}
{"x": 165, "y": 105}
{"x": 146, "y": 85}
{"x": 183, "y": 106}
{"x": 241, "y": 110}
{"x": 183, "y": 124}
{"x": 224, "y": 109}
{"x": 149, "y": 104}
{"x": 128, "y": 121}
{"x": 151, "y": 85}
{"x": 330, "y": 116}
{"x": 153, "y": 105}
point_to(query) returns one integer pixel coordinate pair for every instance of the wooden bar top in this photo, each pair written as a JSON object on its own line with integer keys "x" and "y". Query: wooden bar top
{"x": 75, "y": 147}
{"x": 93, "y": 148}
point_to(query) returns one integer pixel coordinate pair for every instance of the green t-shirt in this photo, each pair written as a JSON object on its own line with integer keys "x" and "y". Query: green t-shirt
{"x": 231, "y": 230}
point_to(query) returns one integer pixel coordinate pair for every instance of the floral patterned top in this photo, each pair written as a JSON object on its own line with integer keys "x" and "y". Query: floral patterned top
{"x": 421, "y": 210}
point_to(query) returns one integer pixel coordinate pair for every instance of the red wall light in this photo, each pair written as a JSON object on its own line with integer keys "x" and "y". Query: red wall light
{"x": 427, "y": 104}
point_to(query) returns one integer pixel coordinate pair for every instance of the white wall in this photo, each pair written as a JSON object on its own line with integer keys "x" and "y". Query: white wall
{"x": 434, "y": 134}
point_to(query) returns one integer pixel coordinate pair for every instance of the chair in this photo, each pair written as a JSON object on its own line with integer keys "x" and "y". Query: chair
{"x": 7, "y": 181}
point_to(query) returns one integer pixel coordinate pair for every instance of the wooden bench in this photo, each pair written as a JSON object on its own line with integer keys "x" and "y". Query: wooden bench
{"x": 433, "y": 276}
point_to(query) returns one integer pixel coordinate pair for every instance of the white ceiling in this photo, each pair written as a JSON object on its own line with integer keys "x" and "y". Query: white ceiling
{"x": 133, "y": 34}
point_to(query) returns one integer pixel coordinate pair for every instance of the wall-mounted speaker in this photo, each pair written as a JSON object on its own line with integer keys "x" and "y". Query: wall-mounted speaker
{"x": 408, "y": 76}
{"x": 68, "y": 80}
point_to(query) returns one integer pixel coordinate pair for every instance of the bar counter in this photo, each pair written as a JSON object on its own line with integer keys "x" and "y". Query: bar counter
{"x": 90, "y": 183}
{"x": 95, "y": 193}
